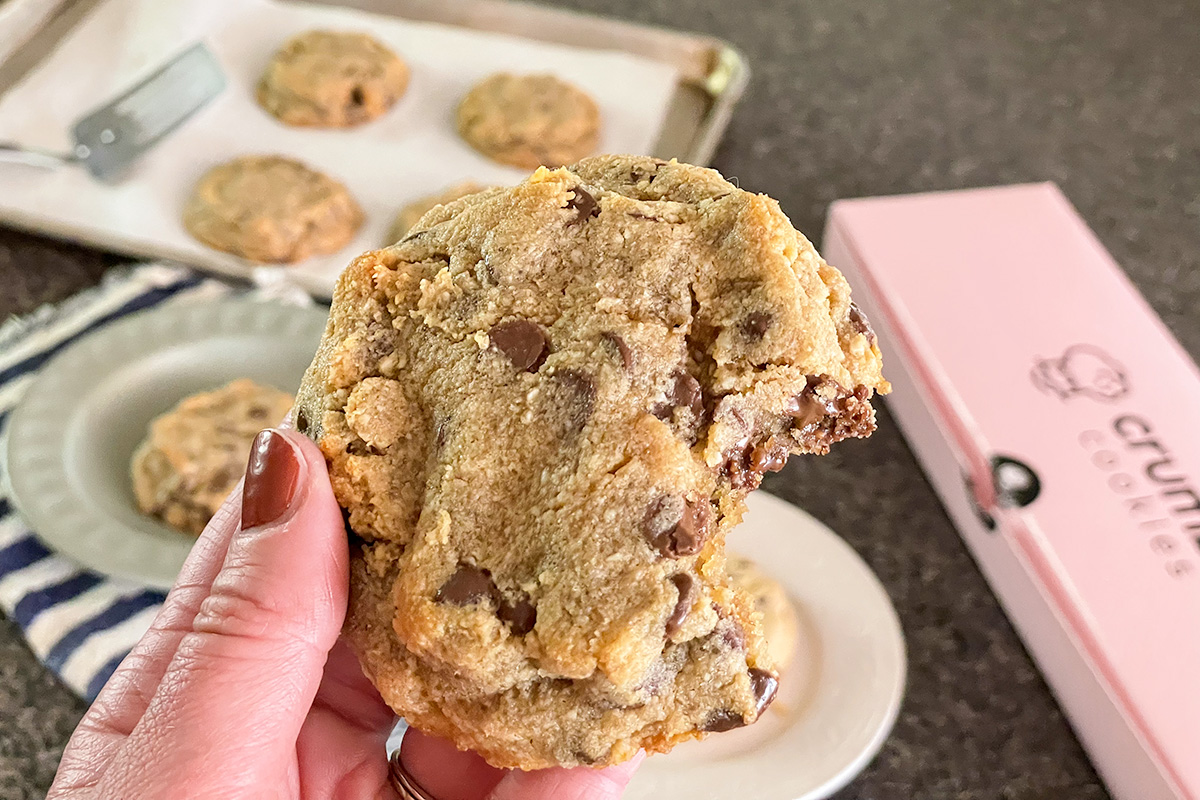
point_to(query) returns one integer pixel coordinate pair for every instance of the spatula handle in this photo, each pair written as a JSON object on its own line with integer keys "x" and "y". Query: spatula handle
{"x": 13, "y": 153}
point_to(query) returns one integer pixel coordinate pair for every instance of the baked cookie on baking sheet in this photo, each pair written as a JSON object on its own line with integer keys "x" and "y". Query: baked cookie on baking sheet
{"x": 529, "y": 120}
{"x": 542, "y": 411}
{"x": 330, "y": 79}
{"x": 271, "y": 209}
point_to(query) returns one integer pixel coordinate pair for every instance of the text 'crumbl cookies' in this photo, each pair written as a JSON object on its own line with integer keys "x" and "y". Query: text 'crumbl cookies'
{"x": 542, "y": 411}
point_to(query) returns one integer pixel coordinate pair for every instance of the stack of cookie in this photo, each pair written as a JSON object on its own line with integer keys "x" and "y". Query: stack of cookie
{"x": 274, "y": 209}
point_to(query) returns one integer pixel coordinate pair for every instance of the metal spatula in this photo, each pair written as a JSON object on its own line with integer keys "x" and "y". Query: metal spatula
{"x": 109, "y": 139}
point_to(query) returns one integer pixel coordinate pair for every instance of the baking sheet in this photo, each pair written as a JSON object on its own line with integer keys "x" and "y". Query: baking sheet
{"x": 411, "y": 151}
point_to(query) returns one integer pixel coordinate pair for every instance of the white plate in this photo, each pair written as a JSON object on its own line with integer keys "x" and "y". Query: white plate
{"x": 72, "y": 436}
{"x": 838, "y": 699}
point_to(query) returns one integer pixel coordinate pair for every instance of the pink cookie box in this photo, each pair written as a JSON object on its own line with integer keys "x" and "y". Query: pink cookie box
{"x": 1059, "y": 422}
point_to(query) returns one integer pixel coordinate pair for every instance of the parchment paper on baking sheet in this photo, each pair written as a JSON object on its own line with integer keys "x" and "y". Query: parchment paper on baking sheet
{"x": 412, "y": 151}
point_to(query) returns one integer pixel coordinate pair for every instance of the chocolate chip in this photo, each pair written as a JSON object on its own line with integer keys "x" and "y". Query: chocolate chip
{"x": 740, "y": 477}
{"x": 522, "y": 341}
{"x": 469, "y": 584}
{"x": 745, "y": 464}
{"x": 615, "y": 341}
{"x": 301, "y": 421}
{"x": 581, "y": 396}
{"x": 805, "y": 411}
{"x": 357, "y": 447}
{"x": 357, "y": 98}
{"x": 808, "y": 407}
{"x": 755, "y": 325}
{"x": 686, "y": 393}
{"x": 722, "y": 720}
{"x": 584, "y": 204}
{"x": 768, "y": 456}
{"x": 860, "y": 323}
{"x": 685, "y": 584}
{"x": 661, "y": 515}
{"x": 676, "y": 527}
{"x": 692, "y": 529}
{"x": 765, "y": 685}
{"x": 520, "y": 616}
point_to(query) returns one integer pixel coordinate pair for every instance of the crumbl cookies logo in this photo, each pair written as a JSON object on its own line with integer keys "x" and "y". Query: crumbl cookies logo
{"x": 1084, "y": 370}
{"x": 1137, "y": 463}
{"x": 1161, "y": 500}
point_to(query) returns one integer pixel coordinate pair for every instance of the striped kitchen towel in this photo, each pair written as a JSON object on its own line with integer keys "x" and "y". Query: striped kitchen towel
{"x": 79, "y": 623}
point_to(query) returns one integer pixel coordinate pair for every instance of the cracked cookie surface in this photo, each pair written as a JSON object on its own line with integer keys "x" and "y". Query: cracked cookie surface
{"x": 331, "y": 79}
{"x": 542, "y": 410}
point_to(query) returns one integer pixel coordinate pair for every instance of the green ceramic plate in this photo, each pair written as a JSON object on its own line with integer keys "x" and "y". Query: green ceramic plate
{"x": 73, "y": 435}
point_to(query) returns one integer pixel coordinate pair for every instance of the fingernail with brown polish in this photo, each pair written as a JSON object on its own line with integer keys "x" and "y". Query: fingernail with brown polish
{"x": 270, "y": 479}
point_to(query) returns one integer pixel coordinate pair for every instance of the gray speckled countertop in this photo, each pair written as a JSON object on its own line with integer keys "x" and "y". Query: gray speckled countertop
{"x": 867, "y": 97}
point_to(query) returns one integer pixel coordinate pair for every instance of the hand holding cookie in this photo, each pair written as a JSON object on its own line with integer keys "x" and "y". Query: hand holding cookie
{"x": 242, "y": 682}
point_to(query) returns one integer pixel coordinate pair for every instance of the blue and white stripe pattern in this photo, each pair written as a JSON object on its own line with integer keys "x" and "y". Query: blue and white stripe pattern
{"x": 79, "y": 623}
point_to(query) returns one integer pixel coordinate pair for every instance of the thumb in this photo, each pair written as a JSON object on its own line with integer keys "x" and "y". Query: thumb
{"x": 243, "y": 679}
{"x": 579, "y": 783}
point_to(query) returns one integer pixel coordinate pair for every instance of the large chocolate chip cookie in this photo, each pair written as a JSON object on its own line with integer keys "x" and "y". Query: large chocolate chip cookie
{"x": 542, "y": 411}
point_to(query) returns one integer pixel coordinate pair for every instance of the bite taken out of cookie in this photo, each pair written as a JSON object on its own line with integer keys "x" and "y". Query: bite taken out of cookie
{"x": 542, "y": 410}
